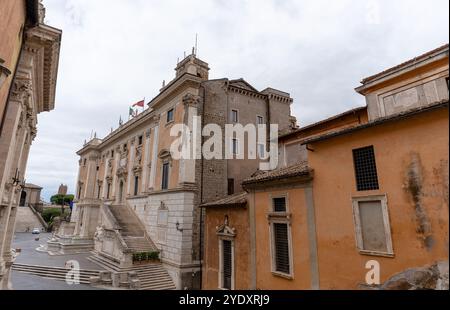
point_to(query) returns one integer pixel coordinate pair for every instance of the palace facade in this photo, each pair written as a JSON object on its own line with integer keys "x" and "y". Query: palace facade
{"x": 29, "y": 57}
{"x": 134, "y": 197}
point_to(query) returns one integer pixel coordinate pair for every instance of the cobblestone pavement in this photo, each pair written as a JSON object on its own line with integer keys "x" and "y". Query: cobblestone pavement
{"x": 27, "y": 243}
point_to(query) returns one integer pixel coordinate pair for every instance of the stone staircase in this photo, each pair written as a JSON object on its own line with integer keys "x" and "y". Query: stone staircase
{"x": 152, "y": 276}
{"x": 55, "y": 273}
{"x": 131, "y": 229}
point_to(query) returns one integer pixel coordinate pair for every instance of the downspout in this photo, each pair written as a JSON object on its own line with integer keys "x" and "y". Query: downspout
{"x": 201, "y": 190}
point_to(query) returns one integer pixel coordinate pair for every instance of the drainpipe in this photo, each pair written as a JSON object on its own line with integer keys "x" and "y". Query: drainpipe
{"x": 203, "y": 90}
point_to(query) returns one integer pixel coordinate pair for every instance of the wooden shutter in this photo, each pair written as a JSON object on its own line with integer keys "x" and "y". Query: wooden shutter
{"x": 227, "y": 264}
{"x": 281, "y": 247}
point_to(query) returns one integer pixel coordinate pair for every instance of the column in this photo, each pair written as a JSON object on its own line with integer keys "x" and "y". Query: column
{"x": 146, "y": 161}
{"x": 154, "y": 161}
{"x": 116, "y": 165}
{"x": 130, "y": 167}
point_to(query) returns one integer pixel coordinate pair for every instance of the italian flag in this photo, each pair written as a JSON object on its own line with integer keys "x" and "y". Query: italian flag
{"x": 132, "y": 112}
{"x": 139, "y": 104}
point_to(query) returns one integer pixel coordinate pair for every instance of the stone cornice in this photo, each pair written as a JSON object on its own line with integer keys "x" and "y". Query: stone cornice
{"x": 43, "y": 43}
{"x": 173, "y": 87}
{"x": 258, "y": 95}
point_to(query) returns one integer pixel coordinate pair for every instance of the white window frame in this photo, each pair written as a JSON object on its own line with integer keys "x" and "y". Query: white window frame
{"x": 173, "y": 116}
{"x": 262, "y": 154}
{"x": 280, "y": 218}
{"x": 386, "y": 222}
{"x": 233, "y": 151}
{"x": 258, "y": 117}
{"x": 231, "y": 239}
{"x": 237, "y": 116}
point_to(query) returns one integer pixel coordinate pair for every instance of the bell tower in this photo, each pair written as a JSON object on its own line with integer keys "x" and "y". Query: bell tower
{"x": 193, "y": 65}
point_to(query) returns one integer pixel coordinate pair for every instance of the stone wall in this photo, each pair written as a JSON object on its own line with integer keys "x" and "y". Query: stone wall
{"x": 26, "y": 220}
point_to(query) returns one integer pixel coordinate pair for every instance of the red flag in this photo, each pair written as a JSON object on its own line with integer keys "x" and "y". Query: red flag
{"x": 139, "y": 104}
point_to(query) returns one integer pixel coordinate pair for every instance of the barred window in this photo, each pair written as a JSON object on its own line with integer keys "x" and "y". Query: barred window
{"x": 165, "y": 176}
{"x": 227, "y": 264}
{"x": 279, "y": 204}
{"x": 281, "y": 246}
{"x": 365, "y": 169}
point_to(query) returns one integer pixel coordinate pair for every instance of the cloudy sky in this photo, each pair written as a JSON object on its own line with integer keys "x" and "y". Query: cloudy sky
{"x": 116, "y": 52}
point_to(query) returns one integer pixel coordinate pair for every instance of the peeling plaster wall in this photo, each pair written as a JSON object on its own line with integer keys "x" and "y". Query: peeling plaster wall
{"x": 412, "y": 165}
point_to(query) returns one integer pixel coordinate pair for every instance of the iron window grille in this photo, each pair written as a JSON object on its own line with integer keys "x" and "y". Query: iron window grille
{"x": 365, "y": 169}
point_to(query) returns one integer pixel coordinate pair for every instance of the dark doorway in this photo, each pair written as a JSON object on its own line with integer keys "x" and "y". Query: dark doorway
{"x": 23, "y": 198}
{"x": 121, "y": 192}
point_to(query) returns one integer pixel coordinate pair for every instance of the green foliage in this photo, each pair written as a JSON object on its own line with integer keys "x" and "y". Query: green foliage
{"x": 49, "y": 214}
{"x": 145, "y": 256}
{"x": 62, "y": 199}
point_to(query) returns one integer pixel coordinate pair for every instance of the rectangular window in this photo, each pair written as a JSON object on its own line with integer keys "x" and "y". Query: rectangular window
{"x": 261, "y": 150}
{"x": 281, "y": 248}
{"x": 234, "y": 116}
{"x": 165, "y": 176}
{"x": 112, "y": 154}
{"x": 230, "y": 186}
{"x": 259, "y": 120}
{"x": 99, "y": 191}
{"x": 372, "y": 225}
{"x": 227, "y": 264}
{"x": 140, "y": 140}
{"x": 235, "y": 146}
{"x": 279, "y": 204}
{"x": 365, "y": 169}
{"x": 170, "y": 115}
{"x": 136, "y": 185}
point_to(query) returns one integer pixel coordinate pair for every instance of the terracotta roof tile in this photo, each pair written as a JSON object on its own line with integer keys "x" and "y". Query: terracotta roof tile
{"x": 236, "y": 200}
{"x": 408, "y": 62}
{"x": 291, "y": 171}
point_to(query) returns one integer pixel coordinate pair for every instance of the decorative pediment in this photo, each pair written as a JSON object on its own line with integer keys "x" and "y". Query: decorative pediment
{"x": 226, "y": 231}
{"x": 164, "y": 154}
{"x": 241, "y": 83}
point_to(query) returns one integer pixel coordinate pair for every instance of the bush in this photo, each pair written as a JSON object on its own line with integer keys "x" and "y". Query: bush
{"x": 49, "y": 214}
{"x": 145, "y": 256}
{"x": 62, "y": 199}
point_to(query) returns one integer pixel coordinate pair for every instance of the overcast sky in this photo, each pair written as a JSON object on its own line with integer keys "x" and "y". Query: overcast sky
{"x": 116, "y": 52}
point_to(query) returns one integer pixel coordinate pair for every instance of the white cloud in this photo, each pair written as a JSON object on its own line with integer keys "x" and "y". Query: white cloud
{"x": 115, "y": 52}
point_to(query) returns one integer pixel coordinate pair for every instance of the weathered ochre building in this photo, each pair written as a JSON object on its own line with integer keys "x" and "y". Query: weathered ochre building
{"x": 133, "y": 196}
{"x": 29, "y": 56}
{"x": 367, "y": 185}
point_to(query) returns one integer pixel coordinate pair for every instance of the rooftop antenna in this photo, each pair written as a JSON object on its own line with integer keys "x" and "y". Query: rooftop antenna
{"x": 196, "y": 44}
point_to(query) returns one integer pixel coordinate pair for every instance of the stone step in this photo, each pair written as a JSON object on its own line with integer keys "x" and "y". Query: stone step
{"x": 55, "y": 273}
{"x": 51, "y": 268}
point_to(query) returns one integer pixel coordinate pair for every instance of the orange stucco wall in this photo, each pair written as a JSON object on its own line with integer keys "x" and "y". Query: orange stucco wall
{"x": 12, "y": 19}
{"x": 238, "y": 219}
{"x": 422, "y": 140}
{"x": 265, "y": 279}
